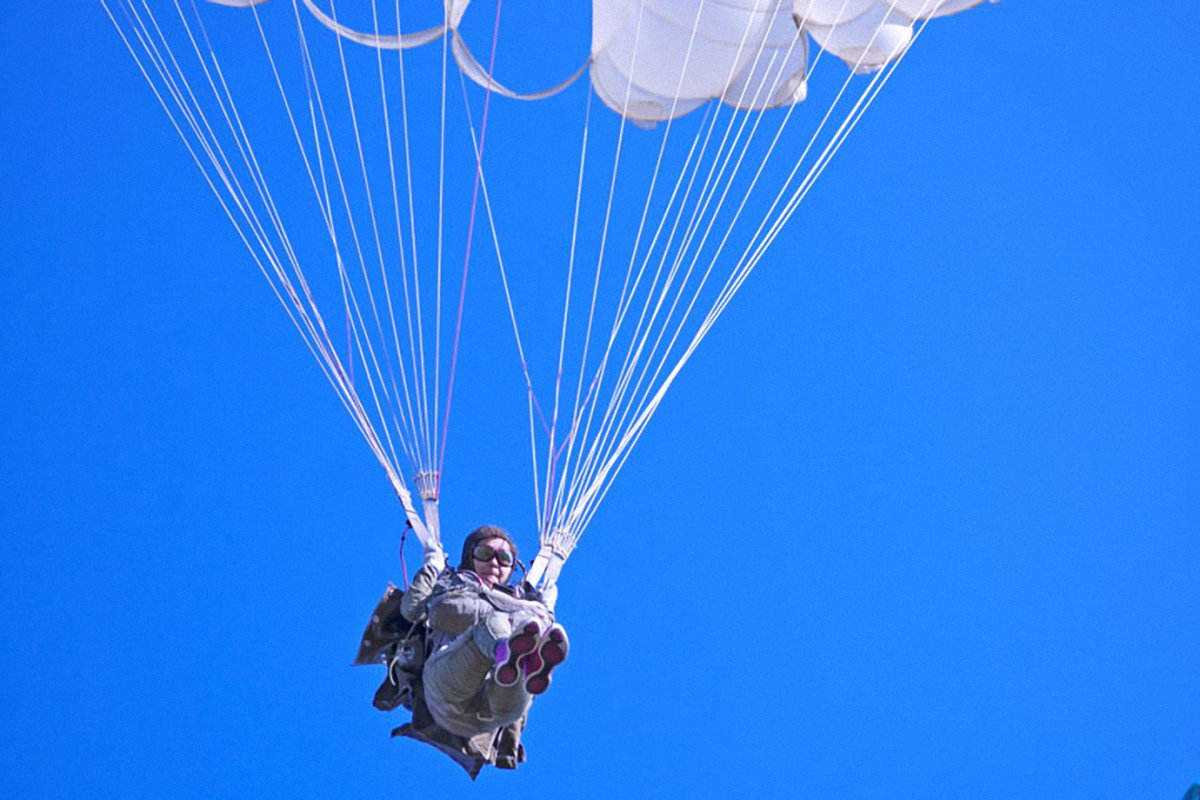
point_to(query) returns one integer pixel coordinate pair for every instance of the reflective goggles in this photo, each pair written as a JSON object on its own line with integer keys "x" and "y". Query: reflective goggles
{"x": 485, "y": 552}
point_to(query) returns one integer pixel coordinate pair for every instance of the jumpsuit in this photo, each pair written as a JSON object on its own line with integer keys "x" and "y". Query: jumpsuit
{"x": 467, "y": 620}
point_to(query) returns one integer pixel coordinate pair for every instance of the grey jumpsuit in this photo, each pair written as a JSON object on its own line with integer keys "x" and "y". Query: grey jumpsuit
{"x": 467, "y": 621}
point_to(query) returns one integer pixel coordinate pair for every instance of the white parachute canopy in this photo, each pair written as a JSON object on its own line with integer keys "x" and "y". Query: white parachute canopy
{"x": 355, "y": 240}
{"x": 868, "y": 34}
{"x": 660, "y": 59}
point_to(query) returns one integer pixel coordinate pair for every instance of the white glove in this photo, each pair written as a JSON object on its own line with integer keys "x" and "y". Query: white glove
{"x": 435, "y": 556}
{"x": 431, "y": 545}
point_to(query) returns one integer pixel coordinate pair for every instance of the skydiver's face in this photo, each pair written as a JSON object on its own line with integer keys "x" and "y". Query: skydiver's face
{"x": 492, "y": 571}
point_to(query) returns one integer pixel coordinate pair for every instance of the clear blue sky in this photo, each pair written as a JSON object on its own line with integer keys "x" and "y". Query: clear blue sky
{"x": 922, "y": 519}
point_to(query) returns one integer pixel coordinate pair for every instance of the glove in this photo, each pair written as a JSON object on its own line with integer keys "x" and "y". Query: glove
{"x": 434, "y": 556}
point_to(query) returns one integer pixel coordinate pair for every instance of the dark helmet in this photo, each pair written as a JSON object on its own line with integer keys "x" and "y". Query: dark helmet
{"x": 480, "y": 534}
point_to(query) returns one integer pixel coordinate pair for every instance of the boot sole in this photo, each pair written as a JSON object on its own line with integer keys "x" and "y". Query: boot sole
{"x": 520, "y": 644}
{"x": 539, "y": 665}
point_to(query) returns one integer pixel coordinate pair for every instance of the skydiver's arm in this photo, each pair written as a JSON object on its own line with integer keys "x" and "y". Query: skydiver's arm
{"x": 416, "y": 597}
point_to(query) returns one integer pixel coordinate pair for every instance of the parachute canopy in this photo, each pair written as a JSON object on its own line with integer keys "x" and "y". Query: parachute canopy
{"x": 680, "y": 215}
{"x": 653, "y": 60}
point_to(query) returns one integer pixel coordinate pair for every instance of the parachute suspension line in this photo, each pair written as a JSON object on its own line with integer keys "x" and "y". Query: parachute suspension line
{"x": 628, "y": 293}
{"x": 739, "y": 274}
{"x": 580, "y": 402}
{"x": 770, "y": 151}
{"x": 190, "y": 118}
{"x": 545, "y": 529}
{"x": 554, "y": 451}
{"x": 321, "y": 195}
{"x": 635, "y": 396}
{"x": 270, "y": 209}
{"x": 362, "y": 420}
{"x": 323, "y": 200}
{"x": 233, "y": 186}
{"x": 564, "y": 490}
{"x": 634, "y": 432}
{"x": 349, "y": 296}
{"x": 628, "y": 297}
{"x": 570, "y": 439}
{"x": 737, "y": 214}
{"x": 139, "y": 29}
{"x": 344, "y": 388}
{"x": 462, "y": 295}
{"x": 531, "y": 398}
{"x": 324, "y": 203}
{"x": 577, "y": 409}
{"x": 720, "y": 203}
{"x": 637, "y": 428}
{"x": 710, "y": 187}
{"x": 754, "y": 252}
{"x": 612, "y": 416}
{"x": 437, "y": 326}
{"x": 583, "y": 464}
{"x": 586, "y": 458}
{"x": 382, "y": 341}
{"x": 614, "y": 419}
{"x": 417, "y": 379}
{"x": 744, "y": 268}
{"x": 412, "y": 225}
{"x": 822, "y": 160}
{"x": 670, "y": 347}
{"x": 313, "y": 87}
{"x": 617, "y": 452}
{"x": 414, "y": 458}
{"x": 326, "y": 357}
{"x": 349, "y": 347}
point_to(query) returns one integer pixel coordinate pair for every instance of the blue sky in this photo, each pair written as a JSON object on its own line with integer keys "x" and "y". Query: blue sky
{"x": 920, "y": 519}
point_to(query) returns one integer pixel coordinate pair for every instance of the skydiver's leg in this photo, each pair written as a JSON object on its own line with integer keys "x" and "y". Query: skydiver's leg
{"x": 508, "y": 703}
{"x": 454, "y": 678}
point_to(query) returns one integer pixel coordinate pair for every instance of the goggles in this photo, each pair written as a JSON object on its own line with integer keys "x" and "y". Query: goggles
{"x": 484, "y": 552}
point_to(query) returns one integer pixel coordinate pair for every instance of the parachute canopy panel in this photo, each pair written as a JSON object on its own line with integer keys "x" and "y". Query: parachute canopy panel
{"x": 867, "y": 34}
{"x": 654, "y": 60}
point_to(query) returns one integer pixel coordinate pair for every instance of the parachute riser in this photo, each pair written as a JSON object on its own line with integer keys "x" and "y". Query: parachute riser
{"x": 427, "y": 487}
{"x": 548, "y": 563}
{"x": 427, "y": 530}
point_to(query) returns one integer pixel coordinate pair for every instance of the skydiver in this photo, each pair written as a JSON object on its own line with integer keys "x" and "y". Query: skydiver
{"x": 492, "y": 648}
